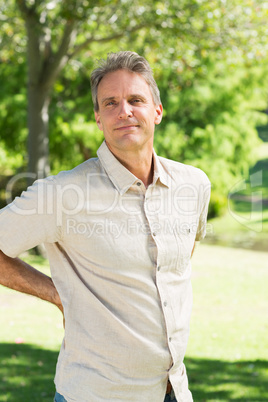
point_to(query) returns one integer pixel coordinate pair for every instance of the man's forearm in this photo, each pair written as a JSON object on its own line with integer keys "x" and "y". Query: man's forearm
{"x": 18, "y": 275}
{"x": 193, "y": 250}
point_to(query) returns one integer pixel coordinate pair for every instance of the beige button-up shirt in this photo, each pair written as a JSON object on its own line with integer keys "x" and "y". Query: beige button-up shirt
{"x": 120, "y": 259}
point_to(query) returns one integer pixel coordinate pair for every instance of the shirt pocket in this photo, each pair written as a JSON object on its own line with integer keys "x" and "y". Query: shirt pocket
{"x": 185, "y": 233}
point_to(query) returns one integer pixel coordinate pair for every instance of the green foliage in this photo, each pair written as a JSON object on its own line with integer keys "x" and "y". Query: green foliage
{"x": 75, "y": 139}
{"x": 13, "y": 113}
{"x": 74, "y": 142}
{"x": 9, "y": 160}
{"x": 210, "y": 122}
{"x": 209, "y": 59}
{"x": 13, "y": 97}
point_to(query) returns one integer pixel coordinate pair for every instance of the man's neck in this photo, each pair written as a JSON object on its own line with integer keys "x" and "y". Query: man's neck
{"x": 139, "y": 163}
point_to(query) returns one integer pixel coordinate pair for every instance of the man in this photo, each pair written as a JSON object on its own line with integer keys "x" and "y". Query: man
{"x": 119, "y": 232}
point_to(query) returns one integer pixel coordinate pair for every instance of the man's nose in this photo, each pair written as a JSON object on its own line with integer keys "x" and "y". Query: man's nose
{"x": 125, "y": 110}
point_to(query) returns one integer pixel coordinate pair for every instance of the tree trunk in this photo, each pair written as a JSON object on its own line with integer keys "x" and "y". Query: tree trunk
{"x": 38, "y": 141}
{"x": 38, "y": 98}
{"x": 44, "y": 67}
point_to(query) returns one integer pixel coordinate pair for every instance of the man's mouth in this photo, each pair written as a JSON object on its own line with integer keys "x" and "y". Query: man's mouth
{"x": 127, "y": 127}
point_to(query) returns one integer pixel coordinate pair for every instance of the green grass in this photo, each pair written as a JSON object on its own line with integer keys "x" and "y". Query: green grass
{"x": 239, "y": 228}
{"x": 27, "y": 369}
{"x": 227, "y": 355}
{"x": 43, "y": 326}
{"x": 245, "y": 223}
{"x": 26, "y": 373}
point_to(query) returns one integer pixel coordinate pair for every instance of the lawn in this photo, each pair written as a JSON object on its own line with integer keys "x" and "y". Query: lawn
{"x": 245, "y": 223}
{"x": 240, "y": 228}
{"x": 30, "y": 338}
{"x": 227, "y": 355}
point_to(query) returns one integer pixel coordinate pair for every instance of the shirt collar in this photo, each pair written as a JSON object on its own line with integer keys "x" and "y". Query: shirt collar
{"x": 120, "y": 176}
{"x": 160, "y": 173}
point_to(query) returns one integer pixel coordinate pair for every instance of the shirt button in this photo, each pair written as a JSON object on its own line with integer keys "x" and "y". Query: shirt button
{"x": 165, "y": 303}
{"x": 169, "y": 339}
{"x": 154, "y": 233}
{"x": 139, "y": 183}
{"x": 158, "y": 268}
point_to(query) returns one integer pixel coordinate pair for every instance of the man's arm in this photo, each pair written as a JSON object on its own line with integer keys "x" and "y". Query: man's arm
{"x": 18, "y": 275}
{"x": 193, "y": 250}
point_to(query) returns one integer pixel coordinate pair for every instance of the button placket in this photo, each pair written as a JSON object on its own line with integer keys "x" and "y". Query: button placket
{"x": 166, "y": 308}
{"x": 155, "y": 228}
{"x": 152, "y": 218}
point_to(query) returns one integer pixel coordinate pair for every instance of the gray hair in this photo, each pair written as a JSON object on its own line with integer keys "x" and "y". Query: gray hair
{"x": 124, "y": 60}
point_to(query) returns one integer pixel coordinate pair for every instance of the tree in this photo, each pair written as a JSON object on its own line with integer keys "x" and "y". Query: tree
{"x": 57, "y": 31}
{"x": 195, "y": 46}
{"x": 53, "y": 32}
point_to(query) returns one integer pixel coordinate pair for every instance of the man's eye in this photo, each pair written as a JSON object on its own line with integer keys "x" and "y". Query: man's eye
{"x": 136, "y": 100}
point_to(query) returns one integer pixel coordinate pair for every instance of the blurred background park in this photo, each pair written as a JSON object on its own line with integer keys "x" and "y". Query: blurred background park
{"x": 210, "y": 60}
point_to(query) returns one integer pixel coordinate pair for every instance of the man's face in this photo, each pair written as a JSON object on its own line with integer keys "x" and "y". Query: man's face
{"x": 127, "y": 114}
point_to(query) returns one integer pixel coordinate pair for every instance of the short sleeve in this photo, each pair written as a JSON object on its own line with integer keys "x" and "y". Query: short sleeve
{"x": 204, "y": 203}
{"x": 30, "y": 219}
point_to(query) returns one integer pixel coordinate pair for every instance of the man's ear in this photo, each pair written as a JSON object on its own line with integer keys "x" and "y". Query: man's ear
{"x": 158, "y": 114}
{"x": 98, "y": 120}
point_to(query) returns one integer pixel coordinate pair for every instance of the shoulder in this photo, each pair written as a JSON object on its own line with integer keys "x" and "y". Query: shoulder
{"x": 183, "y": 172}
{"x": 65, "y": 179}
{"x": 78, "y": 174}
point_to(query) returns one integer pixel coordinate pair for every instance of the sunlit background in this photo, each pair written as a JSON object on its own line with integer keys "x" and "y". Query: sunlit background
{"x": 210, "y": 61}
